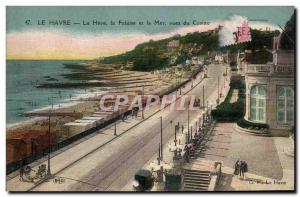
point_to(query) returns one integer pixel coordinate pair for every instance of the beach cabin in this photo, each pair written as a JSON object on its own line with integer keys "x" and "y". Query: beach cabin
{"x": 75, "y": 128}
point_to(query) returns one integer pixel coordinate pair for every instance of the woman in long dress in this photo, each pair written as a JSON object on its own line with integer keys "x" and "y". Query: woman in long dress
{"x": 237, "y": 168}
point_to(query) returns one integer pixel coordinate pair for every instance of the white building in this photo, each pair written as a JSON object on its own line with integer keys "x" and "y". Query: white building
{"x": 270, "y": 91}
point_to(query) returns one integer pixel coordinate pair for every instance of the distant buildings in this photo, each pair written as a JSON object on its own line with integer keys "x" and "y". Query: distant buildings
{"x": 270, "y": 90}
{"x": 194, "y": 61}
{"x": 173, "y": 44}
{"x": 219, "y": 58}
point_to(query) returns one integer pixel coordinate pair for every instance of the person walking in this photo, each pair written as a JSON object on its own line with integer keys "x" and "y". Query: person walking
{"x": 187, "y": 153}
{"x": 245, "y": 169}
{"x": 176, "y": 128}
{"x": 242, "y": 169}
{"x": 22, "y": 173}
{"x": 237, "y": 168}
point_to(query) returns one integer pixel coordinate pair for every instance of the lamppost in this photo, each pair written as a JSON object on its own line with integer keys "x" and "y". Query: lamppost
{"x": 49, "y": 137}
{"x": 218, "y": 90}
{"x": 142, "y": 102}
{"x": 49, "y": 144}
{"x": 186, "y": 138}
{"x": 175, "y": 140}
{"x": 180, "y": 83}
{"x": 188, "y": 126}
{"x": 161, "y": 138}
{"x": 203, "y": 96}
{"x": 158, "y": 158}
{"x": 191, "y": 133}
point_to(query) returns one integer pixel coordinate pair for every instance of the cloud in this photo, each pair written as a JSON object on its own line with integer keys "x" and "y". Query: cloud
{"x": 59, "y": 45}
{"x": 228, "y": 27}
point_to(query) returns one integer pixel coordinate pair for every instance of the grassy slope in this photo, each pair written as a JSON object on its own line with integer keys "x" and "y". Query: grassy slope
{"x": 155, "y": 55}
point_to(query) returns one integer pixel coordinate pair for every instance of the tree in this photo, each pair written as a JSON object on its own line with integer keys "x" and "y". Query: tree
{"x": 288, "y": 37}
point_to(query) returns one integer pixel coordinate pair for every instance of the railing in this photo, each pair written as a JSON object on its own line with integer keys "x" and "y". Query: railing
{"x": 269, "y": 68}
{"x": 257, "y": 68}
{"x": 284, "y": 69}
{"x": 15, "y": 165}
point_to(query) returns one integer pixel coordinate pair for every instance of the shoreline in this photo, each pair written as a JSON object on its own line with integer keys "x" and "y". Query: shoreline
{"x": 80, "y": 102}
{"x": 60, "y": 105}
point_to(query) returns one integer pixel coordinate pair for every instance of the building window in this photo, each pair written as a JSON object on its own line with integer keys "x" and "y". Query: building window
{"x": 285, "y": 105}
{"x": 258, "y": 103}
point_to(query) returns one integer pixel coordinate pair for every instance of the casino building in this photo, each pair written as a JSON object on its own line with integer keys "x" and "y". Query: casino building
{"x": 270, "y": 90}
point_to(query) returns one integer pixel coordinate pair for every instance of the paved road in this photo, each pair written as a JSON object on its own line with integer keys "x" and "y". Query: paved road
{"x": 228, "y": 145}
{"x": 112, "y": 166}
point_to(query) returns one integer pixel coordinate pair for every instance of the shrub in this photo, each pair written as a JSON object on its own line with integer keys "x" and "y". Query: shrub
{"x": 226, "y": 111}
{"x": 237, "y": 83}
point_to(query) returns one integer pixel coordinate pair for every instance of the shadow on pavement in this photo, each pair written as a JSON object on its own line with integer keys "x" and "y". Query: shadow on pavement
{"x": 225, "y": 183}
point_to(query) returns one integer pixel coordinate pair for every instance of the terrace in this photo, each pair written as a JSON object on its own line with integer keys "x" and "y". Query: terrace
{"x": 269, "y": 69}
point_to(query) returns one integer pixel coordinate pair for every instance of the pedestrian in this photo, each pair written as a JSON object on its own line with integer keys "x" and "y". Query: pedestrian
{"x": 237, "y": 168}
{"x": 22, "y": 173}
{"x": 245, "y": 168}
{"x": 176, "y": 128}
{"x": 187, "y": 153}
{"x": 135, "y": 112}
{"x": 242, "y": 169}
{"x": 182, "y": 128}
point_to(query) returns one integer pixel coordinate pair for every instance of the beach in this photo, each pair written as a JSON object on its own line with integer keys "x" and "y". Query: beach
{"x": 85, "y": 104}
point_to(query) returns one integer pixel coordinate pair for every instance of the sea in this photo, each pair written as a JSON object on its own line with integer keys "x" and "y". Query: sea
{"x": 22, "y": 93}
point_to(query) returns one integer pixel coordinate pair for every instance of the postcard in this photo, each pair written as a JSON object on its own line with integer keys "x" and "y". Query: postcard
{"x": 150, "y": 99}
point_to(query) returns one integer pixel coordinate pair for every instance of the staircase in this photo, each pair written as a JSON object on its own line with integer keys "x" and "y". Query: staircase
{"x": 196, "y": 180}
{"x": 197, "y": 173}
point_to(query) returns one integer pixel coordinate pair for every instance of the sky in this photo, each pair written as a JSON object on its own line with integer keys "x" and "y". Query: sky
{"x": 28, "y": 38}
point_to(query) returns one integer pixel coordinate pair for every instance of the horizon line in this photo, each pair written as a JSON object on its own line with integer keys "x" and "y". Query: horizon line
{"x": 12, "y": 59}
